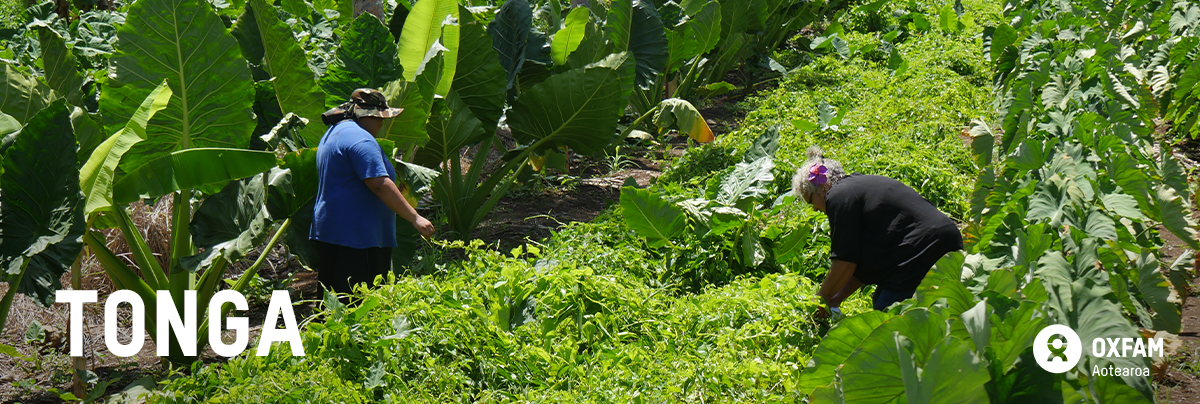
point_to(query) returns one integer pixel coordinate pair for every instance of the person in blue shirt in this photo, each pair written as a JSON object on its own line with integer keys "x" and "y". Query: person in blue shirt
{"x": 354, "y": 218}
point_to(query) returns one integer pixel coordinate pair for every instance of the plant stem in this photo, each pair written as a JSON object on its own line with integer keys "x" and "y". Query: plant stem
{"x": 12, "y": 292}
{"x": 242, "y": 282}
{"x": 687, "y": 79}
{"x": 251, "y": 272}
{"x": 638, "y": 121}
{"x": 77, "y": 362}
{"x": 555, "y": 17}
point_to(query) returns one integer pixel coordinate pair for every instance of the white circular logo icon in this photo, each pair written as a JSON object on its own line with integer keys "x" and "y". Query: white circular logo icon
{"x": 1057, "y": 348}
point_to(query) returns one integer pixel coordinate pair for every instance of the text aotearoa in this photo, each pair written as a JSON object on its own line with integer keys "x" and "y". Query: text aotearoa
{"x": 167, "y": 319}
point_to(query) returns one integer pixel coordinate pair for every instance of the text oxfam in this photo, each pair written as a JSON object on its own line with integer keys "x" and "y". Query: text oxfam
{"x": 168, "y": 319}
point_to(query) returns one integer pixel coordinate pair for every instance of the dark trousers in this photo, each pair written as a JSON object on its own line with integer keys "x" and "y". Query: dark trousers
{"x": 884, "y": 298}
{"x": 340, "y": 268}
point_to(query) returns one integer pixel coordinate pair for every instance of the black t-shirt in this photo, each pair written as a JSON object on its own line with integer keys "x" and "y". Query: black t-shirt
{"x": 892, "y": 233}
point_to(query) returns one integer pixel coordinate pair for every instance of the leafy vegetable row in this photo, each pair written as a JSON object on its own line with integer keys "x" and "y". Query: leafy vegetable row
{"x": 1065, "y": 221}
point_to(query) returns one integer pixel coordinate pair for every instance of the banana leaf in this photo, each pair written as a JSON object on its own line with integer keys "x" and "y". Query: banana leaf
{"x": 96, "y": 176}
{"x": 190, "y": 169}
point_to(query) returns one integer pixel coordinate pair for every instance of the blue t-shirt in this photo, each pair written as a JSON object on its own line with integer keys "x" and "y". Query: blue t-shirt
{"x": 347, "y": 213}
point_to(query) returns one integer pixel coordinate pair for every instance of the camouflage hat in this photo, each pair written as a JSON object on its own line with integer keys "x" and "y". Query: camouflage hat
{"x": 371, "y": 102}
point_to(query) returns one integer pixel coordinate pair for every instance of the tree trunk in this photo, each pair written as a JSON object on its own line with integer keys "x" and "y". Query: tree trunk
{"x": 370, "y": 6}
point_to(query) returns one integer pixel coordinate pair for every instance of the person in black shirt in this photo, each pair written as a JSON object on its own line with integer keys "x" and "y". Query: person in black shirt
{"x": 882, "y": 232}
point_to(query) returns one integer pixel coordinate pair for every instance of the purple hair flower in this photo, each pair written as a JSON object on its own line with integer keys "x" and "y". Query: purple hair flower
{"x": 816, "y": 174}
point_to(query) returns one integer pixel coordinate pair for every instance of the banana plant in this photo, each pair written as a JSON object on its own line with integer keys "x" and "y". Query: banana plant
{"x": 186, "y": 141}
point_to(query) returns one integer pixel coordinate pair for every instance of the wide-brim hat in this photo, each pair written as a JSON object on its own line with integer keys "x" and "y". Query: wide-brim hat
{"x": 370, "y": 102}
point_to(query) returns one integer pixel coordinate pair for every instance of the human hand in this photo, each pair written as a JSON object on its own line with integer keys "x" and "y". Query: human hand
{"x": 423, "y": 226}
{"x": 821, "y": 313}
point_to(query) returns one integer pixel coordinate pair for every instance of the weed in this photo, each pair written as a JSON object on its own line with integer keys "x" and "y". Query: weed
{"x": 617, "y": 161}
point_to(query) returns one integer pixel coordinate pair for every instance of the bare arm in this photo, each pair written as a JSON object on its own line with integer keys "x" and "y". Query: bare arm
{"x": 386, "y": 190}
{"x": 841, "y": 273}
{"x": 851, "y": 286}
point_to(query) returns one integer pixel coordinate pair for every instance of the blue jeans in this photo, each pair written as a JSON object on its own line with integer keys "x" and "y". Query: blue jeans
{"x": 883, "y": 298}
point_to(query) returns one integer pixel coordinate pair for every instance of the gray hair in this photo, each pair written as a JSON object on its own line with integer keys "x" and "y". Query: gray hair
{"x": 801, "y": 187}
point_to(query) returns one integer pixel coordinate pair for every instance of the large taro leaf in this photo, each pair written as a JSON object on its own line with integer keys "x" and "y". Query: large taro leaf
{"x": 367, "y": 58}
{"x": 88, "y": 132}
{"x": 297, "y": 240}
{"x": 651, "y": 216}
{"x": 293, "y": 185}
{"x": 567, "y": 40}
{"x": 266, "y": 109}
{"x": 229, "y": 224}
{"x": 185, "y": 43}
{"x": 1012, "y": 332}
{"x": 510, "y": 35}
{"x": 22, "y": 96}
{"x": 97, "y": 174}
{"x": 870, "y": 374}
{"x": 61, "y": 70}
{"x": 1026, "y": 382}
{"x": 95, "y": 33}
{"x": 1156, "y": 291}
{"x": 431, "y": 24}
{"x": 1085, "y": 303}
{"x": 9, "y": 127}
{"x": 408, "y": 129}
{"x": 747, "y": 181}
{"x": 836, "y": 346}
{"x": 695, "y": 36}
{"x": 284, "y": 59}
{"x": 479, "y": 78}
{"x": 396, "y": 21}
{"x": 618, "y": 25}
{"x": 1133, "y": 181}
{"x": 41, "y": 205}
{"x": 953, "y": 373}
{"x": 765, "y": 145}
{"x": 1173, "y": 210}
{"x": 291, "y": 191}
{"x": 578, "y": 109}
{"x": 416, "y": 98}
{"x": 190, "y": 169}
{"x": 451, "y": 127}
{"x": 414, "y": 180}
{"x": 408, "y": 241}
{"x": 942, "y": 282}
{"x": 249, "y": 38}
{"x": 592, "y": 48}
{"x": 647, "y": 42}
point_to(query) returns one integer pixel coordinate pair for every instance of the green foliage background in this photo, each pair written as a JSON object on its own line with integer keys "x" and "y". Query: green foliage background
{"x": 615, "y": 321}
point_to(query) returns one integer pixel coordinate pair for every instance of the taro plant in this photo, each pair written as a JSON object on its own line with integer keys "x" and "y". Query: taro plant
{"x": 1064, "y": 229}
{"x": 728, "y": 231}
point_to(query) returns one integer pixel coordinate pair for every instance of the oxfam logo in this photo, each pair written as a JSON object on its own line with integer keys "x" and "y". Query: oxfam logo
{"x": 1057, "y": 348}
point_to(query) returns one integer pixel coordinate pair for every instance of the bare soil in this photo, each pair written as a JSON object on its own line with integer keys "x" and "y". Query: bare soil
{"x": 45, "y": 364}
